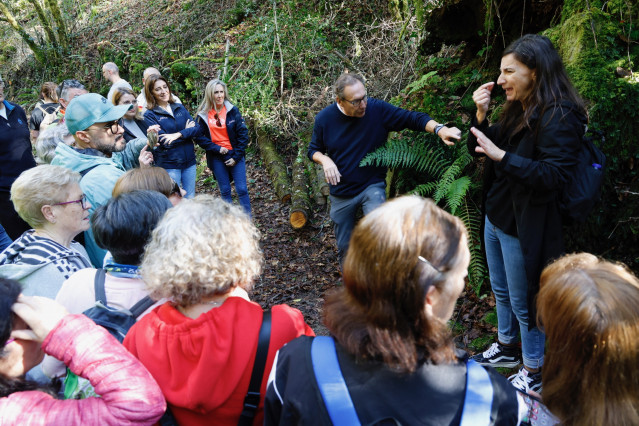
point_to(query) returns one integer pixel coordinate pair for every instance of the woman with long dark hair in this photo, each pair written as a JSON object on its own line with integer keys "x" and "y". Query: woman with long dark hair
{"x": 403, "y": 272}
{"x": 176, "y": 153}
{"x": 530, "y": 151}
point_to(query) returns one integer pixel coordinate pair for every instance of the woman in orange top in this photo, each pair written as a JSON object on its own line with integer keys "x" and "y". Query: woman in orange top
{"x": 221, "y": 123}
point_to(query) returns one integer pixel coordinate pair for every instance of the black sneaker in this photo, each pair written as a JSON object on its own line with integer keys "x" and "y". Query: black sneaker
{"x": 498, "y": 355}
{"x": 526, "y": 381}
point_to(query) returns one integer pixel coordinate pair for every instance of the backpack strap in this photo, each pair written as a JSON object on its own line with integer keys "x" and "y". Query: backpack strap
{"x": 98, "y": 285}
{"x": 252, "y": 398}
{"x": 478, "y": 401}
{"x": 331, "y": 382}
{"x": 142, "y": 305}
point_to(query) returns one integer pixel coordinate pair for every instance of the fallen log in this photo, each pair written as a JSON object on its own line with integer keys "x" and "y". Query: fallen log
{"x": 300, "y": 202}
{"x": 275, "y": 166}
{"x": 315, "y": 188}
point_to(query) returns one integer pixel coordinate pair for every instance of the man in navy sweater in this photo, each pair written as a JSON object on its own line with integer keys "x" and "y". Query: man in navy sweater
{"x": 344, "y": 133}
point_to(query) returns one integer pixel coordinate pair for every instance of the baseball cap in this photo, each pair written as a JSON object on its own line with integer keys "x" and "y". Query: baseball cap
{"x": 85, "y": 110}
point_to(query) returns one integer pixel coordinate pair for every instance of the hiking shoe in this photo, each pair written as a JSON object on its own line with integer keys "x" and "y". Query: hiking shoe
{"x": 498, "y": 355}
{"x": 525, "y": 381}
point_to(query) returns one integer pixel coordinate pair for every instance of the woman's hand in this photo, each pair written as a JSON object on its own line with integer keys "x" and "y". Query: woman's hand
{"x": 223, "y": 150}
{"x": 230, "y": 162}
{"x": 154, "y": 128}
{"x": 170, "y": 137}
{"x": 449, "y": 135}
{"x": 486, "y": 146}
{"x": 481, "y": 97}
{"x": 189, "y": 124}
{"x": 41, "y": 315}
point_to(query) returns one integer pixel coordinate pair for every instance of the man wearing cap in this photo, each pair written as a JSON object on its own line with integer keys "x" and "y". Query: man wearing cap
{"x": 101, "y": 154}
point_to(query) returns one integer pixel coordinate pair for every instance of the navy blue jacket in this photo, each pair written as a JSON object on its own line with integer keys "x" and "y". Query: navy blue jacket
{"x": 236, "y": 129}
{"x": 346, "y": 140}
{"x": 180, "y": 154}
{"x": 15, "y": 145}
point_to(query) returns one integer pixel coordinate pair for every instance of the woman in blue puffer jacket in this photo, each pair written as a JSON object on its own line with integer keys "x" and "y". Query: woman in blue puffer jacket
{"x": 176, "y": 153}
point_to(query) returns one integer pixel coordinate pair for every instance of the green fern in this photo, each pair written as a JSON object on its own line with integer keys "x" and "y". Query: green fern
{"x": 402, "y": 154}
{"x": 447, "y": 184}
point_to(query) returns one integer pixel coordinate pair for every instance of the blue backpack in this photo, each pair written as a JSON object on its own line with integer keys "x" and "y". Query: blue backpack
{"x": 477, "y": 402}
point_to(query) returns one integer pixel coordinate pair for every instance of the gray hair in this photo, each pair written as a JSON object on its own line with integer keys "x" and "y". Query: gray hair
{"x": 202, "y": 247}
{"x": 48, "y": 141}
{"x": 345, "y": 80}
{"x": 40, "y": 186}
{"x": 111, "y": 66}
{"x": 67, "y": 85}
{"x": 150, "y": 71}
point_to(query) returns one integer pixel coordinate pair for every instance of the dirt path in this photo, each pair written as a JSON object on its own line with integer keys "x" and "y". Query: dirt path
{"x": 300, "y": 266}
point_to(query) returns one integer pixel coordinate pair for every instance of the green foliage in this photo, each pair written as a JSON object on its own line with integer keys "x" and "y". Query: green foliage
{"x": 591, "y": 42}
{"x": 442, "y": 178}
{"x": 184, "y": 79}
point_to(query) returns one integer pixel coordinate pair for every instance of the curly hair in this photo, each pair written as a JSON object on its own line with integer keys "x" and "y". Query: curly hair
{"x": 202, "y": 247}
{"x": 39, "y": 186}
{"x": 589, "y": 309}
{"x": 379, "y": 313}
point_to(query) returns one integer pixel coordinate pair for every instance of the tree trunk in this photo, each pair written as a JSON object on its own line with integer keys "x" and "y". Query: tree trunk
{"x": 37, "y": 50}
{"x": 300, "y": 203}
{"x": 52, "y": 5}
{"x": 274, "y": 165}
{"x": 46, "y": 24}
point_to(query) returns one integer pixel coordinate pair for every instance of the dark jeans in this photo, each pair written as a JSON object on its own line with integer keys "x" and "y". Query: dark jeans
{"x": 224, "y": 174}
{"x": 343, "y": 211}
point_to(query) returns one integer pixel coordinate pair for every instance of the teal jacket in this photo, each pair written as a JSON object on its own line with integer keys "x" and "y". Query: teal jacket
{"x": 98, "y": 182}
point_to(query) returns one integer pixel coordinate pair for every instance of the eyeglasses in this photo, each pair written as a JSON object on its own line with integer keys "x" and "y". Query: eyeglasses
{"x": 218, "y": 123}
{"x": 356, "y": 102}
{"x": 114, "y": 126}
{"x": 82, "y": 201}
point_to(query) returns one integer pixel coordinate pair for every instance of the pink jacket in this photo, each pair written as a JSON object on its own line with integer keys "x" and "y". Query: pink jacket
{"x": 129, "y": 393}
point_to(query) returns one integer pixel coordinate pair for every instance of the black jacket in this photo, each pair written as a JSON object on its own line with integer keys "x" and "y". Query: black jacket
{"x": 432, "y": 395}
{"x": 536, "y": 171}
{"x": 15, "y": 145}
{"x": 236, "y": 129}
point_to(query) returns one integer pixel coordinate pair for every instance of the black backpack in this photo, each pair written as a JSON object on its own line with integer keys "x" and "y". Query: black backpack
{"x": 583, "y": 189}
{"x": 115, "y": 321}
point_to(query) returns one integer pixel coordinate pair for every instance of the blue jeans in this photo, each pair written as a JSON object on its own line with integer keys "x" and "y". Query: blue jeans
{"x": 224, "y": 174}
{"x": 343, "y": 211}
{"x": 185, "y": 178}
{"x": 510, "y": 285}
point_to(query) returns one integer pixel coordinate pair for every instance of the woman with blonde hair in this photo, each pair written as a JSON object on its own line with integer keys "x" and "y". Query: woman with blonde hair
{"x": 204, "y": 255}
{"x": 404, "y": 270}
{"x": 589, "y": 310}
{"x": 50, "y": 200}
{"x": 222, "y": 124}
